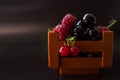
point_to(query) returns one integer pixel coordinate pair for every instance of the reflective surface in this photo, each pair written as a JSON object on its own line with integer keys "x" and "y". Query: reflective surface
{"x": 23, "y": 36}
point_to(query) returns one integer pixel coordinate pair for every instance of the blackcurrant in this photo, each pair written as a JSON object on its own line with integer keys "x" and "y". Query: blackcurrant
{"x": 94, "y": 34}
{"x": 89, "y": 19}
{"x": 80, "y": 32}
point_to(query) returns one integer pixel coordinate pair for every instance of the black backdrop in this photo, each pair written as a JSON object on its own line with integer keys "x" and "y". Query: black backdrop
{"x": 23, "y": 36}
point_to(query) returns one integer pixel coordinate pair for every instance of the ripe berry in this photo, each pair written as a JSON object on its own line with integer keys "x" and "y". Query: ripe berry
{"x": 75, "y": 51}
{"x": 62, "y": 37}
{"x": 103, "y": 28}
{"x": 80, "y": 33}
{"x": 69, "y": 20}
{"x": 63, "y": 31}
{"x": 64, "y": 51}
{"x": 56, "y": 28}
{"x": 67, "y": 29}
{"x": 89, "y": 19}
{"x": 94, "y": 34}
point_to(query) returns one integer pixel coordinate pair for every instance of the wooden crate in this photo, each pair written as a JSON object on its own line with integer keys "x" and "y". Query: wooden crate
{"x": 81, "y": 65}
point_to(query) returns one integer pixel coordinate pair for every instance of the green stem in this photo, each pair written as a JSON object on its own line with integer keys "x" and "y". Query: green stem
{"x": 113, "y": 22}
{"x": 70, "y": 41}
{"x": 72, "y": 38}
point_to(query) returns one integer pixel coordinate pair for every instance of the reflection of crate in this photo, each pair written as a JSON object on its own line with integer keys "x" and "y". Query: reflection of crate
{"x": 82, "y": 65}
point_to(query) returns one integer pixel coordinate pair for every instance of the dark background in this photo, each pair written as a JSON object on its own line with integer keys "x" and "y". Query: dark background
{"x": 23, "y": 36}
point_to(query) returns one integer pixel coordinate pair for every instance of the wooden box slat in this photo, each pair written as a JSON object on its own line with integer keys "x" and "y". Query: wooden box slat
{"x": 80, "y": 62}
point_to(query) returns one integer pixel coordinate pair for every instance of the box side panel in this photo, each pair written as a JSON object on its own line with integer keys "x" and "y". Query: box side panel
{"x": 53, "y": 56}
{"x": 107, "y": 55}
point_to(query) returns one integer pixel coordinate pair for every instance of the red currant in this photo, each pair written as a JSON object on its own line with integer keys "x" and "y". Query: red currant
{"x": 75, "y": 51}
{"x": 64, "y": 51}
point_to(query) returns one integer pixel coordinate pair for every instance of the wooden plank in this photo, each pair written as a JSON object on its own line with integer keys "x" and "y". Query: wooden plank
{"x": 79, "y": 71}
{"x": 80, "y": 62}
{"x": 53, "y": 55}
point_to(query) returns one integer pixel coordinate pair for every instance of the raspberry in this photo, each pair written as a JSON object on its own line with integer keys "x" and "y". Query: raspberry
{"x": 103, "y": 28}
{"x": 64, "y": 51}
{"x": 67, "y": 29}
{"x": 75, "y": 51}
{"x": 62, "y": 36}
{"x": 63, "y": 31}
{"x": 69, "y": 20}
{"x": 56, "y": 28}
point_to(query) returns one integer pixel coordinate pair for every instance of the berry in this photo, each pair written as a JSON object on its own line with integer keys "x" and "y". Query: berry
{"x": 89, "y": 19}
{"x": 82, "y": 24}
{"x": 67, "y": 29}
{"x": 75, "y": 51}
{"x": 69, "y": 20}
{"x": 80, "y": 31}
{"x": 94, "y": 34}
{"x": 56, "y": 28}
{"x": 62, "y": 37}
{"x": 106, "y": 28}
{"x": 63, "y": 31}
{"x": 102, "y": 28}
{"x": 64, "y": 51}
{"x": 79, "y": 23}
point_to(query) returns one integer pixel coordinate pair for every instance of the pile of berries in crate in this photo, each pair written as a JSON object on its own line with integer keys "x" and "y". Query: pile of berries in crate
{"x": 71, "y": 29}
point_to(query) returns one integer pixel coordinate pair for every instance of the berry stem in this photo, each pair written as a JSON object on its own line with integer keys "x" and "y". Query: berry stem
{"x": 112, "y": 23}
{"x": 70, "y": 41}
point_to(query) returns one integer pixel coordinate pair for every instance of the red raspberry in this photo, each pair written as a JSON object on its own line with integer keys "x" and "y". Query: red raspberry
{"x": 57, "y": 27}
{"x": 63, "y": 31}
{"x": 103, "y": 28}
{"x": 67, "y": 29}
{"x": 62, "y": 36}
{"x": 75, "y": 51}
{"x": 69, "y": 20}
{"x": 64, "y": 51}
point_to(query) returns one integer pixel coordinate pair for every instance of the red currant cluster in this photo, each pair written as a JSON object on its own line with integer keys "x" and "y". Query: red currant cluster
{"x": 67, "y": 50}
